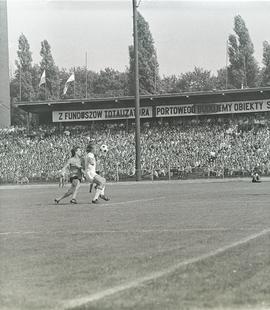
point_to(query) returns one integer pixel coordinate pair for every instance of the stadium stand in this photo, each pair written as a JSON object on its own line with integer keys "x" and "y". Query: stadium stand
{"x": 207, "y": 146}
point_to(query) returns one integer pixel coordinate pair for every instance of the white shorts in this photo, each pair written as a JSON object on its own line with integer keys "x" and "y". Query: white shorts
{"x": 90, "y": 176}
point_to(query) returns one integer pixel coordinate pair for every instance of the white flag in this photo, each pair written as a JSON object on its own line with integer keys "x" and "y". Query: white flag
{"x": 70, "y": 79}
{"x": 42, "y": 79}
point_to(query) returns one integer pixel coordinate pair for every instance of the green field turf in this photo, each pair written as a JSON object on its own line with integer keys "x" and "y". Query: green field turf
{"x": 162, "y": 245}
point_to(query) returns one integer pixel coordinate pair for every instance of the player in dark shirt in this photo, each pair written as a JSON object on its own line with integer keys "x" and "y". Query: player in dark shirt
{"x": 74, "y": 169}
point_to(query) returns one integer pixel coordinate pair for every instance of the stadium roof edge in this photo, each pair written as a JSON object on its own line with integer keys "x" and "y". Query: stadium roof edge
{"x": 148, "y": 96}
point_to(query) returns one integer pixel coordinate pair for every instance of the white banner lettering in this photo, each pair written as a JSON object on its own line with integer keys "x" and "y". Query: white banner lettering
{"x": 164, "y": 111}
{"x": 214, "y": 108}
{"x": 101, "y": 114}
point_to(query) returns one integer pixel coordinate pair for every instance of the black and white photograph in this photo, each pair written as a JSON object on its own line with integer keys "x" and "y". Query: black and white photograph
{"x": 134, "y": 155}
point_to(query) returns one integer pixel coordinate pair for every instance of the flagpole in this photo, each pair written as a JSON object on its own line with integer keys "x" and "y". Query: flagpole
{"x": 245, "y": 71}
{"x": 227, "y": 64}
{"x": 137, "y": 93}
{"x": 85, "y": 74}
{"x": 74, "y": 83}
{"x": 45, "y": 87}
{"x": 20, "y": 83}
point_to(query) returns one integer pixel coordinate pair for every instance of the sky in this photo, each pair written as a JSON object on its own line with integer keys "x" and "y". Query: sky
{"x": 186, "y": 33}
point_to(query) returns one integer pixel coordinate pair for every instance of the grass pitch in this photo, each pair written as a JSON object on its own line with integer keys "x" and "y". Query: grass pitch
{"x": 162, "y": 245}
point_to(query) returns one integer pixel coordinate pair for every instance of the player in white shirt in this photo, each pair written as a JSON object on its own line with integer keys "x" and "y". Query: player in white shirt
{"x": 92, "y": 176}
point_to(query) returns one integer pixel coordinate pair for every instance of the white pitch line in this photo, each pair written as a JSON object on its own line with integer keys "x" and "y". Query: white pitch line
{"x": 133, "y": 201}
{"x": 153, "y": 276}
{"x": 20, "y": 233}
{"x": 127, "y": 231}
{"x": 145, "y": 231}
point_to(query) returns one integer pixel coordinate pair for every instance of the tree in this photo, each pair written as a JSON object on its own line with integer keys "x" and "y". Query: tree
{"x": 197, "y": 80}
{"x": 169, "y": 84}
{"x": 80, "y": 78}
{"x": 21, "y": 87}
{"x": 52, "y": 88}
{"x": 147, "y": 58}
{"x": 64, "y": 74}
{"x": 110, "y": 83}
{"x": 222, "y": 79}
{"x": 265, "y": 76}
{"x": 22, "y": 84}
{"x": 35, "y": 75}
{"x": 243, "y": 69}
{"x": 92, "y": 77}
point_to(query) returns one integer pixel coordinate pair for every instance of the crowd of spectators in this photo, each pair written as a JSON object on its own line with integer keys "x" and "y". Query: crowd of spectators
{"x": 213, "y": 146}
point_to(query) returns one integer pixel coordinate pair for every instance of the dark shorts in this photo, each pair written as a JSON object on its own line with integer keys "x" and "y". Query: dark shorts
{"x": 75, "y": 178}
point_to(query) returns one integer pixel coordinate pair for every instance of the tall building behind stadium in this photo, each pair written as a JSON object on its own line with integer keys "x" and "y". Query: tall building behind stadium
{"x": 4, "y": 68}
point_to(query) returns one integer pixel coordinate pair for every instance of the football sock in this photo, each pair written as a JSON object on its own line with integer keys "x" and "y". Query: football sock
{"x": 68, "y": 193}
{"x": 98, "y": 192}
{"x": 76, "y": 190}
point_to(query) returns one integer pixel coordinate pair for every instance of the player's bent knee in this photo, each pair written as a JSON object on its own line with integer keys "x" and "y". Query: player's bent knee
{"x": 100, "y": 181}
{"x": 100, "y": 186}
{"x": 103, "y": 183}
{"x": 75, "y": 182}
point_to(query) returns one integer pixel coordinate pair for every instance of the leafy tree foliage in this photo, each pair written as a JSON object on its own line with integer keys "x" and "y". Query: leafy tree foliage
{"x": 64, "y": 74}
{"x": 222, "y": 79}
{"x": 23, "y": 78}
{"x": 52, "y": 88}
{"x": 265, "y": 76}
{"x": 169, "y": 84}
{"x": 35, "y": 75}
{"x": 243, "y": 69}
{"x": 91, "y": 82}
{"x": 147, "y": 57}
{"x": 110, "y": 83}
{"x": 21, "y": 88}
{"x": 197, "y": 80}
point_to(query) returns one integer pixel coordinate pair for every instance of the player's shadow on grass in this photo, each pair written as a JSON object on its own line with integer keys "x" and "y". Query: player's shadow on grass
{"x": 68, "y": 204}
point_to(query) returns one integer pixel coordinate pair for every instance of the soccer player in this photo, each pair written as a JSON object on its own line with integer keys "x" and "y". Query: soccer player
{"x": 74, "y": 167}
{"x": 92, "y": 176}
{"x": 256, "y": 175}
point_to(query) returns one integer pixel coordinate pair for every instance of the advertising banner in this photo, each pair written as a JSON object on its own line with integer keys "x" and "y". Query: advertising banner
{"x": 214, "y": 108}
{"x": 164, "y": 111}
{"x": 99, "y": 114}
